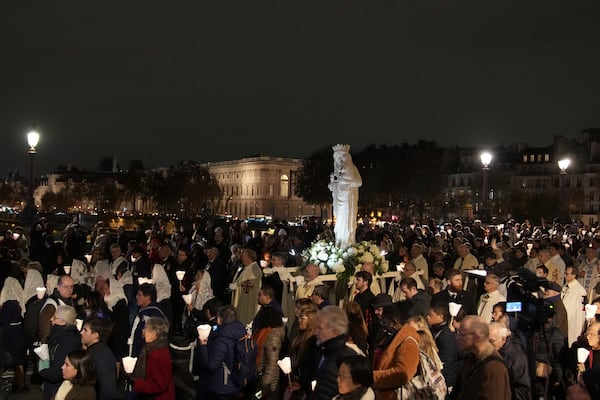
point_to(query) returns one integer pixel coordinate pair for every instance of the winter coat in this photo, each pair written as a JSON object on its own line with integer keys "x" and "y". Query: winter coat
{"x": 270, "y": 355}
{"x": 515, "y": 358}
{"x": 62, "y": 340}
{"x": 398, "y": 363}
{"x": 158, "y": 383}
{"x": 218, "y": 353}
{"x": 327, "y": 371}
{"x": 105, "y": 367}
{"x": 446, "y": 342}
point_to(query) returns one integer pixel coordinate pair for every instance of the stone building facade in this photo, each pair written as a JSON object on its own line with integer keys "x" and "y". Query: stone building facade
{"x": 260, "y": 185}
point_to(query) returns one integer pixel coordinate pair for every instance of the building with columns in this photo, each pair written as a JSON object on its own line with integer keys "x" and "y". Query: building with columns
{"x": 260, "y": 186}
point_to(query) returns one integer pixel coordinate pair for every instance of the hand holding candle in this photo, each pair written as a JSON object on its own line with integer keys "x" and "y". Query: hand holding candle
{"x": 180, "y": 275}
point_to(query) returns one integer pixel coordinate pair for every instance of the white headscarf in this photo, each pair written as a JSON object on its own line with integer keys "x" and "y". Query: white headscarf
{"x": 33, "y": 280}
{"x": 12, "y": 290}
{"x": 116, "y": 293}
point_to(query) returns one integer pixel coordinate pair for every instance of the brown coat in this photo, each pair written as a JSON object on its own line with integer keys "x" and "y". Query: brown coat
{"x": 270, "y": 355}
{"x": 481, "y": 380}
{"x": 398, "y": 364}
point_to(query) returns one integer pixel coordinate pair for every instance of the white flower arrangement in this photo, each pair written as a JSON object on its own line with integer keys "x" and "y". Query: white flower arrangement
{"x": 332, "y": 259}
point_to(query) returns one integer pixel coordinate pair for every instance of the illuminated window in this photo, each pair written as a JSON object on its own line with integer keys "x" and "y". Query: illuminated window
{"x": 546, "y": 157}
{"x": 525, "y": 158}
{"x": 284, "y": 186}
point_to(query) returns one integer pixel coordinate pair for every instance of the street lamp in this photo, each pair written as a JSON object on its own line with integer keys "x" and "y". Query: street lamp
{"x": 486, "y": 159}
{"x": 563, "y": 165}
{"x": 33, "y": 137}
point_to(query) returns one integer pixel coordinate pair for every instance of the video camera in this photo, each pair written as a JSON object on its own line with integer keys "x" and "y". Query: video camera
{"x": 533, "y": 311}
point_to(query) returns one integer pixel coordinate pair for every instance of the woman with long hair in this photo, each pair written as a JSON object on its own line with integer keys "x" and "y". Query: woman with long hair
{"x": 299, "y": 306}
{"x": 304, "y": 352}
{"x": 427, "y": 343}
{"x": 357, "y": 327}
{"x": 79, "y": 377}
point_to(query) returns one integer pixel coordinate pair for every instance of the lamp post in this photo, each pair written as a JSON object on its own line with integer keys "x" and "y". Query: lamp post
{"x": 486, "y": 159}
{"x": 563, "y": 165}
{"x": 33, "y": 137}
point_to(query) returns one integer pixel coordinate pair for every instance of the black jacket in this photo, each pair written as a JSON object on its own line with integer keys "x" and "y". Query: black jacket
{"x": 106, "y": 375}
{"x": 516, "y": 361}
{"x": 327, "y": 371}
{"x": 445, "y": 340}
{"x": 468, "y": 302}
{"x": 62, "y": 340}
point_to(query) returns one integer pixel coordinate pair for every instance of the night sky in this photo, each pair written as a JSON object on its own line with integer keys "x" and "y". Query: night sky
{"x": 219, "y": 80}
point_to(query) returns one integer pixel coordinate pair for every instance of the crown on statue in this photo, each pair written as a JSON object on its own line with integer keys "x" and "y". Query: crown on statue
{"x": 341, "y": 147}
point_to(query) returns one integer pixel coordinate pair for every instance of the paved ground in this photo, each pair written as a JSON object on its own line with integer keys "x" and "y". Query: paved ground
{"x": 184, "y": 383}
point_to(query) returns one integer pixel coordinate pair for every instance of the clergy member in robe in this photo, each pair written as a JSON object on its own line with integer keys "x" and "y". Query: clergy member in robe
{"x": 246, "y": 285}
{"x": 573, "y": 296}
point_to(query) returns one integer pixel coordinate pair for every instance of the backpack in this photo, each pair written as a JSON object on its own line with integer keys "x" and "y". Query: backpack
{"x": 427, "y": 384}
{"x": 244, "y": 362}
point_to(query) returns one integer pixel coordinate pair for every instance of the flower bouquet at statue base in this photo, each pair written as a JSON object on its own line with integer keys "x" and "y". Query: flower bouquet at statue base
{"x": 344, "y": 262}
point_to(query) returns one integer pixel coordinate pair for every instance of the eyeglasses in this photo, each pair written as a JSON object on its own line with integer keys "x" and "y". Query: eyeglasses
{"x": 344, "y": 376}
{"x": 301, "y": 318}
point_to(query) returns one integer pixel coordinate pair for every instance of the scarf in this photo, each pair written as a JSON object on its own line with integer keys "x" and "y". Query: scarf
{"x": 63, "y": 390}
{"x": 139, "y": 372}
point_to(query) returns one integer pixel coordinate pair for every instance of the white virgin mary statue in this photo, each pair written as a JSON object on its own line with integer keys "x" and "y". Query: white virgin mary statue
{"x": 344, "y": 183}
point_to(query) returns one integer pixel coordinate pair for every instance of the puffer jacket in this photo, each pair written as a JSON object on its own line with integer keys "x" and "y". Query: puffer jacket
{"x": 218, "y": 351}
{"x": 270, "y": 355}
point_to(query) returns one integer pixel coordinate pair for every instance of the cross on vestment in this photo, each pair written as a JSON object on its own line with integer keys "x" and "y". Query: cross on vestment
{"x": 247, "y": 286}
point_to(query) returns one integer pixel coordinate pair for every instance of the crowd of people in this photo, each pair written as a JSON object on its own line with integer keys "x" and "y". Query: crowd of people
{"x": 503, "y": 310}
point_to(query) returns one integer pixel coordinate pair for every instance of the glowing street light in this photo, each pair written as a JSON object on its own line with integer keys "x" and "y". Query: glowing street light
{"x": 29, "y": 211}
{"x": 563, "y": 165}
{"x": 486, "y": 159}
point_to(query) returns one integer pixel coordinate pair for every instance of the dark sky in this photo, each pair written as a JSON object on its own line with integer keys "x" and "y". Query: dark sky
{"x": 217, "y": 80}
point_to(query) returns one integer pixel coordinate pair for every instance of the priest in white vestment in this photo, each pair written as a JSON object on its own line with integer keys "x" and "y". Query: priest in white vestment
{"x": 574, "y": 297}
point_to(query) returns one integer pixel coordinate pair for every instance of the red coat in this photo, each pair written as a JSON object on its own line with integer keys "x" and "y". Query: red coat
{"x": 159, "y": 376}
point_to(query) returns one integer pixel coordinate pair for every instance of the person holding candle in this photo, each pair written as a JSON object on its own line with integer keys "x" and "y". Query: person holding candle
{"x": 64, "y": 338}
{"x": 153, "y": 373}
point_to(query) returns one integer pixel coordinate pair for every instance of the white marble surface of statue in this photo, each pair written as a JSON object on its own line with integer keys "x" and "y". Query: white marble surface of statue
{"x": 344, "y": 183}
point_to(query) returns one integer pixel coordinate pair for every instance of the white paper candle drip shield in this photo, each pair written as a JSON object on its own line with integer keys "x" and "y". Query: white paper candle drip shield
{"x": 42, "y": 352}
{"x": 143, "y": 280}
{"x": 187, "y": 298}
{"x": 590, "y": 311}
{"x": 129, "y": 364}
{"x": 285, "y": 364}
{"x": 180, "y": 274}
{"x": 67, "y": 269}
{"x": 40, "y": 291}
{"x": 203, "y": 331}
{"x": 454, "y": 308}
{"x": 582, "y": 354}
